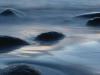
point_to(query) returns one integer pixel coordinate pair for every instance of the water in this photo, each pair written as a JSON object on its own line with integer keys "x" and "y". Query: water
{"x": 77, "y": 54}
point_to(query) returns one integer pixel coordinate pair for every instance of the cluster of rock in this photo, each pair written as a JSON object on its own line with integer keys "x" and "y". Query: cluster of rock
{"x": 8, "y": 41}
{"x": 12, "y": 41}
{"x": 94, "y": 18}
{"x": 93, "y": 21}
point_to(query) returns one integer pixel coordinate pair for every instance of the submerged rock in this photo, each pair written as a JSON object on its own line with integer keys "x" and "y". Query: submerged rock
{"x": 49, "y": 36}
{"x": 12, "y": 12}
{"x": 20, "y": 69}
{"x": 7, "y": 12}
{"x": 94, "y": 22}
{"x": 11, "y": 41}
{"x": 89, "y": 15}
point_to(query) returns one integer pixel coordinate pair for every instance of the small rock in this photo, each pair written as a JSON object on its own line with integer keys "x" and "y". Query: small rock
{"x": 12, "y": 12}
{"x": 11, "y": 41}
{"x": 94, "y": 22}
{"x": 49, "y": 36}
{"x": 7, "y": 12}
{"x": 20, "y": 69}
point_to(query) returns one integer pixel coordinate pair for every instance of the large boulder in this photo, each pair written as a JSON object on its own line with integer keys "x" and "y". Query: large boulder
{"x": 12, "y": 12}
{"x": 94, "y": 22}
{"x": 49, "y": 36}
{"x": 6, "y": 41}
{"x": 20, "y": 69}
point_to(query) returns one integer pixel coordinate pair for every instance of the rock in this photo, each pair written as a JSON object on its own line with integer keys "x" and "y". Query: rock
{"x": 49, "y": 36}
{"x": 94, "y": 22}
{"x": 89, "y": 15}
{"x": 12, "y": 12}
{"x": 6, "y": 41}
{"x": 7, "y": 12}
{"x": 20, "y": 69}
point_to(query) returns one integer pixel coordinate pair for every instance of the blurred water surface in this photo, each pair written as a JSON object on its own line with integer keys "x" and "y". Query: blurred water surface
{"x": 77, "y": 54}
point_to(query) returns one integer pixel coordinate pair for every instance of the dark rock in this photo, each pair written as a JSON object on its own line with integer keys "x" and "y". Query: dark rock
{"x": 20, "y": 69}
{"x": 94, "y": 22}
{"x": 49, "y": 36}
{"x": 7, "y": 12}
{"x": 11, "y": 12}
{"x": 11, "y": 41}
{"x": 89, "y": 15}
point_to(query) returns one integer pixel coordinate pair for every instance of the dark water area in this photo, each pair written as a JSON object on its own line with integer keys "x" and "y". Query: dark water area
{"x": 76, "y": 54}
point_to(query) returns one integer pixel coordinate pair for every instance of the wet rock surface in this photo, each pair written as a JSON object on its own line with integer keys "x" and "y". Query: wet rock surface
{"x": 7, "y": 41}
{"x": 94, "y": 22}
{"x": 20, "y": 69}
{"x": 49, "y": 36}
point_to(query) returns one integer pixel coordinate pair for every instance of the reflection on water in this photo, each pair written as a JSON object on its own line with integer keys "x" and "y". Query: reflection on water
{"x": 37, "y": 50}
{"x": 79, "y": 49}
{"x": 76, "y": 54}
